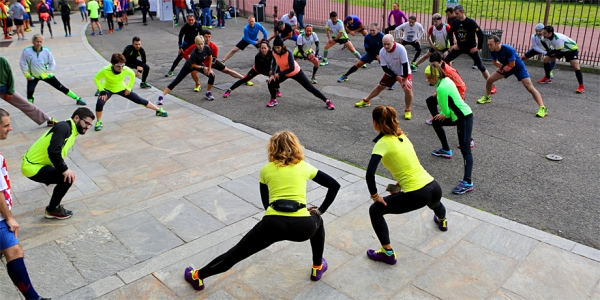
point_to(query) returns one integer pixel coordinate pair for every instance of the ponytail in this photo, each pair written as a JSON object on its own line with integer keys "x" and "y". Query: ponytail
{"x": 386, "y": 119}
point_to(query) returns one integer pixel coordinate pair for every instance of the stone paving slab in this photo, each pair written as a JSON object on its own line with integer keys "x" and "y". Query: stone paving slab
{"x": 154, "y": 195}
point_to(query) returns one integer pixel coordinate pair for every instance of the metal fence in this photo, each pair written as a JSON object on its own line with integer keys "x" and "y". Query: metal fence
{"x": 516, "y": 18}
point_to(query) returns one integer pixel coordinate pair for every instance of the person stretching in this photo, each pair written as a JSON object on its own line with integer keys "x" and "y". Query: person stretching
{"x": 399, "y": 18}
{"x": 187, "y": 35}
{"x": 539, "y": 46}
{"x": 194, "y": 63}
{"x": 249, "y": 37}
{"x": 304, "y": 50}
{"x": 262, "y": 66}
{"x": 437, "y": 36}
{"x": 509, "y": 63}
{"x": 289, "y": 68}
{"x": 373, "y": 44}
{"x": 562, "y": 46}
{"x": 110, "y": 80}
{"x": 354, "y": 25}
{"x": 336, "y": 34}
{"x": 287, "y": 218}
{"x": 412, "y": 33}
{"x": 131, "y": 53}
{"x": 37, "y": 63}
{"x": 454, "y": 112}
{"x": 415, "y": 188}
{"x": 394, "y": 61}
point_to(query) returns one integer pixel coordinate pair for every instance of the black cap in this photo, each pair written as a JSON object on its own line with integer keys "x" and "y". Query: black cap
{"x": 349, "y": 18}
{"x": 278, "y": 41}
{"x": 280, "y": 23}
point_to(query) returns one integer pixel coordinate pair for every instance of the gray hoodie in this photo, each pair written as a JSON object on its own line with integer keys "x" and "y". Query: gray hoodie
{"x": 17, "y": 11}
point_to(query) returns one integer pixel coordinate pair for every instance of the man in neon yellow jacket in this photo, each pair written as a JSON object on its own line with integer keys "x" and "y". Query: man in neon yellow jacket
{"x": 44, "y": 161}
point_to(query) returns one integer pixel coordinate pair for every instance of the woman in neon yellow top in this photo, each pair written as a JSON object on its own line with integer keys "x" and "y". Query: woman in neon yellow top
{"x": 283, "y": 193}
{"x": 394, "y": 149}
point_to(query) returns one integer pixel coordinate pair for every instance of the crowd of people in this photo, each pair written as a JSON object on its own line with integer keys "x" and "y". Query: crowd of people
{"x": 283, "y": 179}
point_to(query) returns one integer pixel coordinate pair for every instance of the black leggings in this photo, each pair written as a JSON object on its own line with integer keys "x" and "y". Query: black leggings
{"x": 66, "y": 19}
{"x": 269, "y": 230}
{"x": 176, "y": 62}
{"x": 464, "y": 129}
{"x": 453, "y": 54}
{"x": 132, "y": 97}
{"x": 302, "y": 80}
{"x": 31, "y": 84}
{"x": 109, "y": 20}
{"x": 390, "y": 28}
{"x": 49, "y": 175}
{"x": 145, "y": 71}
{"x": 400, "y": 203}
{"x": 42, "y": 26}
{"x": 251, "y": 74}
{"x": 184, "y": 72}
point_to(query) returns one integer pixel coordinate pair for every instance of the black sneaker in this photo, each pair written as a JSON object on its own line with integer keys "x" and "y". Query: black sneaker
{"x": 58, "y": 213}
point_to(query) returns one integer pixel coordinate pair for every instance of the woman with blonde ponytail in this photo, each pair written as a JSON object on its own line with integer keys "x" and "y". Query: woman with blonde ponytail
{"x": 454, "y": 112}
{"x": 415, "y": 188}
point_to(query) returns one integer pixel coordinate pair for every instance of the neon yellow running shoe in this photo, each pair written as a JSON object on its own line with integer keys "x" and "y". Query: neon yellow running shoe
{"x": 485, "y": 99}
{"x": 542, "y": 112}
{"x": 197, "y": 88}
{"x": 362, "y": 103}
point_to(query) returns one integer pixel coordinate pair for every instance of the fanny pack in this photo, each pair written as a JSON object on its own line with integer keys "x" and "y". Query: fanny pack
{"x": 286, "y": 205}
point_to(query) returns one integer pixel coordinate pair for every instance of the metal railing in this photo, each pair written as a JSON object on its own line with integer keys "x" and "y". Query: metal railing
{"x": 516, "y": 18}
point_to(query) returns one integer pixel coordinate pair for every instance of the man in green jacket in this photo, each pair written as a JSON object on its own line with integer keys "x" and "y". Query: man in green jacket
{"x": 44, "y": 161}
{"x": 7, "y": 92}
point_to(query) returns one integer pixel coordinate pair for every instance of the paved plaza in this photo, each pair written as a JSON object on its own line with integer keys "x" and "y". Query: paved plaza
{"x": 154, "y": 195}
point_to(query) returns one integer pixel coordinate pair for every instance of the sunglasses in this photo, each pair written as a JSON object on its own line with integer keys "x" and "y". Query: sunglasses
{"x": 437, "y": 19}
{"x": 119, "y": 65}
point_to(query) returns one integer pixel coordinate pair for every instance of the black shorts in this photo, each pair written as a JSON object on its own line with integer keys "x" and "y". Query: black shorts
{"x": 569, "y": 56}
{"x": 119, "y": 14}
{"x": 243, "y": 44}
{"x": 217, "y": 65}
{"x": 18, "y": 22}
{"x": 432, "y": 50}
{"x": 531, "y": 53}
{"x": 94, "y": 20}
{"x": 341, "y": 41}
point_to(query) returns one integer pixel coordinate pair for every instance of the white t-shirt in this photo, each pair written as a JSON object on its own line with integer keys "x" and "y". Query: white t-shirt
{"x": 5, "y": 184}
{"x": 411, "y": 33}
{"x": 394, "y": 60}
{"x": 336, "y": 29}
{"x": 293, "y": 21}
{"x": 307, "y": 42}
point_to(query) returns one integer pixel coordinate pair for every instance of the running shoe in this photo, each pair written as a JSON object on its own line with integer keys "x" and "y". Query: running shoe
{"x": 474, "y": 67}
{"x": 343, "y": 78}
{"x": 51, "y": 122}
{"x": 196, "y": 282}
{"x": 429, "y": 121}
{"x": 100, "y": 32}
{"x": 93, "y": 33}
{"x": 98, "y": 126}
{"x": 542, "y": 112}
{"x": 551, "y": 75}
{"x": 485, "y": 99}
{"x": 382, "y": 256}
{"x": 81, "y": 102}
{"x": 70, "y": 35}
{"x": 30, "y": 101}
{"x": 176, "y": 24}
{"x": 414, "y": 67}
{"x": 249, "y": 83}
{"x": 580, "y": 89}
{"x": 442, "y": 224}
{"x": 471, "y": 144}
{"x": 209, "y": 96}
{"x": 407, "y": 114}
{"x": 272, "y": 102}
{"x": 329, "y": 104}
{"x": 170, "y": 73}
{"x": 27, "y": 30}
{"x": 145, "y": 24}
{"x": 209, "y": 27}
{"x": 24, "y": 39}
{"x": 97, "y": 93}
{"x": 198, "y": 87}
{"x": 58, "y": 213}
{"x": 317, "y": 273}
{"x": 362, "y": 103}
{"x": 392, "y": 87}
{"x": 161, "y": 113}
{"x": 545, "y": 80}
{"x": 442, "y": 153}
{"x": 364, "y": 66}
{"x": 324, "y": 62}
{"x": 160, "y": 100}
{"x": 227, "y": 93}
{"x": 493, "y": 89}
{"x": 462, "y": 188}
{"x": 222, "y": 27}
{"x": 278, "y": 94}
{"x": 66, "y": 35}
{"x": 313, "y": 80}
{"x": 145, "y": 85}
{"x": 54, "y": 22}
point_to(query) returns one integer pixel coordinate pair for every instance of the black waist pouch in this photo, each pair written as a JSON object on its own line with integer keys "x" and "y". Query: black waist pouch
{"x": 286, "y": 205}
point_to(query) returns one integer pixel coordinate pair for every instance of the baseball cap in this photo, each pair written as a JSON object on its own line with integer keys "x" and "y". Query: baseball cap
{"x": 539, "y": 26}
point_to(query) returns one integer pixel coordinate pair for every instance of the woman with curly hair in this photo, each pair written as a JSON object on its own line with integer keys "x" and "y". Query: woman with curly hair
{"x": 287, "y": 218}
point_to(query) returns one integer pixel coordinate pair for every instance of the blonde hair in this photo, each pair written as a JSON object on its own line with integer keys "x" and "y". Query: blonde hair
{"x": 199, "y": 40}
{"x": 285, "y": 149}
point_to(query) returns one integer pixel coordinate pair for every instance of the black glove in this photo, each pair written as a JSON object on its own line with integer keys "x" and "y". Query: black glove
{"x": 551, "y": 53}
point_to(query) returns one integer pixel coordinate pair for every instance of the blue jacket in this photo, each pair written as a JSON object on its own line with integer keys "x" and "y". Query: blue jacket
{"x": 109, "y": 7}
{"x": 373, "y": 43}
{"x": 251, "y": 33}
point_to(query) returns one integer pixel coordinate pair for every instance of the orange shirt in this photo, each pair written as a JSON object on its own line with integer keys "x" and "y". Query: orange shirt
{"x": 283, "y": 63}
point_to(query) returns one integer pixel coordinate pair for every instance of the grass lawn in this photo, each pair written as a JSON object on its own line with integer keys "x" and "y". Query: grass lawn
{"x": 571, "y": 14}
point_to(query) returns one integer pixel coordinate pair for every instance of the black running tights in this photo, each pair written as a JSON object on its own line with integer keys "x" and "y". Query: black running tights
{"x": 269, "y": 230}
{"x": 464, "y": 129}
{"x": 31, "y": 84}
{"x": 49, "y": 175}
{"x": 302, "y": 80}
{"x": 66, "y": 19}
{"x": 400, "y": 203}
